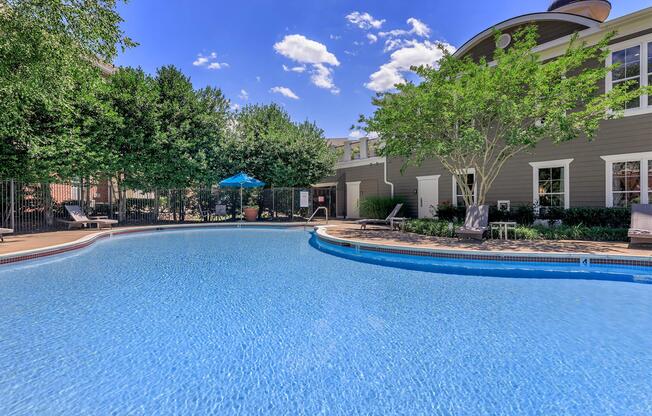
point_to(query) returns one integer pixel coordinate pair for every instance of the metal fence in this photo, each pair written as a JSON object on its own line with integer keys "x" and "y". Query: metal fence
{"x": 39, "y": 207}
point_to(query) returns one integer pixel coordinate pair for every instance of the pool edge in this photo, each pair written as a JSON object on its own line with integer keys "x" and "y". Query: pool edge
{"x": 579, "y": 259}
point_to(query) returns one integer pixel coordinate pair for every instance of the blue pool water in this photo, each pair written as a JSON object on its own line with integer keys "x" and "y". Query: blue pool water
{"x": 251, "y": 321}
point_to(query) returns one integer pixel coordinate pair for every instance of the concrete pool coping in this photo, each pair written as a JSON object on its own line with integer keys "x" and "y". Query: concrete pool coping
{"x": 441, "y": 248}
{"x": 88, "y": 237}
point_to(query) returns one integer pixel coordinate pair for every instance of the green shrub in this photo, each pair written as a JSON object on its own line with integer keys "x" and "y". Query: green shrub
{"x": 448, "y": 212}
{"x": 438, "y": 228}
{"x": 431, "y": 227}
{"x": 575, "y": 232}
{"x": 379, "y": 206}
{"x": 598, "y": 217}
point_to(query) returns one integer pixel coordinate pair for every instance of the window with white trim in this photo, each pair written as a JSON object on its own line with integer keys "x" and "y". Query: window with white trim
{"x": 649, "y": 181}
{"x": 634, "y": 59}
{"x": 628, "y": 71}
{"x": 551, "y": 183}
{"x": 458, "y": 194}
{"x": 551, "y": 187}
{"x": 626, "y": 183}
{"x": 628, "y": 179}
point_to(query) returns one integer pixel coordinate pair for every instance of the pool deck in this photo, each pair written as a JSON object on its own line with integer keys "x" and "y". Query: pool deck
{"x": 382, "y": 236}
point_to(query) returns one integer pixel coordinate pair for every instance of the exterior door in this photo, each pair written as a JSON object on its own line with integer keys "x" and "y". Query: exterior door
{"x": 353, "y": 199}
{"x": 428, "y": 195}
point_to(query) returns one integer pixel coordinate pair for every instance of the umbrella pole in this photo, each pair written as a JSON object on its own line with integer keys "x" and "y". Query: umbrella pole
{"x": 241, "y": 209}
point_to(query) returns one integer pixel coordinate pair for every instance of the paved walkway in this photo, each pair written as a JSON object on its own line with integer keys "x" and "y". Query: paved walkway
{"x": 383, "y": 236}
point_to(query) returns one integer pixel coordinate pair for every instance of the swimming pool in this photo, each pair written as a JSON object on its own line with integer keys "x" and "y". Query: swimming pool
{"x": 258, "y": 321}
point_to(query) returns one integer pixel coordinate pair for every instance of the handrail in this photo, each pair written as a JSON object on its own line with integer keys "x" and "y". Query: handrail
{"x": 316, "y": 211}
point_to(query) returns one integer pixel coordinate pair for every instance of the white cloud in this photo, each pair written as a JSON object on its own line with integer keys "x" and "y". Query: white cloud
{"x": 285, "y": 91}
{"x": 418, "y": 28}
{"x": 244, "y": 95}
{"x": 416, "y": 54}
{"x": 235, "y": 107}
{"x": 297, "y": 69}
{"x": 305, "y": 51}
{"x": 372, "y": 38}
{"x": 209, "y": 61}
{"x": 322, "y": 77}
{"x": 364, "y": 21}
{"x": 309, "y": 52}
{"x": 356, "y": 134}
{"x": 258, "y": 78}
{"x": 334, "y": 37}
{"x": 217, "y": 65}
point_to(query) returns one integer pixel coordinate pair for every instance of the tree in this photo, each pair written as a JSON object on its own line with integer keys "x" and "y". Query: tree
{"x": 124, "y": 137}
{"x": 264, "y": 142}
{"x": 48, "y": 55}
{"x": 478, "y": 115}
{"x": 192, "y": 125}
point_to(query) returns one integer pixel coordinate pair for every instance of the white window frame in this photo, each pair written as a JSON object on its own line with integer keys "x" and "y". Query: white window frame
{"x": 643, "y": 157}
{"x": 562, "y": 163}
{"x": 475, "y": 188}
{"x": 646, "y": 102}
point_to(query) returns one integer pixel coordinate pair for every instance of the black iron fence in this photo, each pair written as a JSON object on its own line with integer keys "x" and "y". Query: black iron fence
{"x": 39, "y": 207}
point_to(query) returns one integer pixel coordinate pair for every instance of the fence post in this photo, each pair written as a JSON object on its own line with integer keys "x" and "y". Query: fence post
{"x": 12, "y": 201}
{"x": 292, "y": 209}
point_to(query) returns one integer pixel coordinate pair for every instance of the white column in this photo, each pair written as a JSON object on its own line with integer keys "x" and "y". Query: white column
{"x": 363, "y": 148}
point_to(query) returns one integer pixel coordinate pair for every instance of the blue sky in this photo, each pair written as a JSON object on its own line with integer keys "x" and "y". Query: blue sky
{"x": 322, "y": 59}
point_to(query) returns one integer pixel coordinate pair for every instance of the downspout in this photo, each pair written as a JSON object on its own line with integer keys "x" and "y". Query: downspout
{"x": 391, "y": 185}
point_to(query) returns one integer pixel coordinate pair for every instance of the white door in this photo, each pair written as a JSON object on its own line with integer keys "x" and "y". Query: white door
{"x": 428, "y": 195}
{"x": 353, "y": 199}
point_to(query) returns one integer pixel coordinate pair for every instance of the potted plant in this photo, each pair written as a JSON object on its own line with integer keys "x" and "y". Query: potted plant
{"x": 251, "y": 213}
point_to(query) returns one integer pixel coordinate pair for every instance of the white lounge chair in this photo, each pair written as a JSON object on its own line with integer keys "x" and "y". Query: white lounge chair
{"x": 386, "y": 221}
{"x": 640, "y": 231}
{"x": 5, "y": 231}
{"x": 79, "y": 219}
{"x": 476, "y": 222}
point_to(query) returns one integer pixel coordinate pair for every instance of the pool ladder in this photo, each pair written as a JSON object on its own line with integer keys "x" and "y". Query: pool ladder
{"x": 316, "y": 211}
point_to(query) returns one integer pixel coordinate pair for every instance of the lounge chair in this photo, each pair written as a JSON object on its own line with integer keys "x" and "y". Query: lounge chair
{"x": 476, "y": 222}
{"x": 5, "y": 231}
{"x": 640, "y": 231}
{"x": 386, "y": 221}
{"x": 79, "y": 220}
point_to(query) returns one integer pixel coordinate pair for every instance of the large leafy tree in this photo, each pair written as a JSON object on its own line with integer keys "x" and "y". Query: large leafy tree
{"x": 192, "y": 125}
{"x": 264, "y": 141}
{"x": 469, "y": 114}
{"x": 49, "y": 56}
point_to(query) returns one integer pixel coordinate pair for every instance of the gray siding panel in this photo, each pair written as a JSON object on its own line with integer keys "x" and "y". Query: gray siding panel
{"x": 631, "y": 134}
{"x": 372, "y": 183}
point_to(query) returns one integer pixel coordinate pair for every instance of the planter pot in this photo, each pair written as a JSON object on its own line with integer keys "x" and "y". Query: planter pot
{"x": 251, "y": 214}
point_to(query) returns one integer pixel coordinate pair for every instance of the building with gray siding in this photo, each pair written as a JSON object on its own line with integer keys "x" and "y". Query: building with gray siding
{"x": 613, "y": 169}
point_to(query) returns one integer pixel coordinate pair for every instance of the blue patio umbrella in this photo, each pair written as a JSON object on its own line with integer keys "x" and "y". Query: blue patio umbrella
{"x": 241, "y": 180}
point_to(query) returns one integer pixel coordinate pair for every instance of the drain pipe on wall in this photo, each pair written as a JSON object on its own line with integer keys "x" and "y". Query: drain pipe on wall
{"x": 391, "y": 185}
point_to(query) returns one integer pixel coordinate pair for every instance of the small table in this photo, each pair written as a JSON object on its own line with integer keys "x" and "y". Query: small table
{"x": 397, "y": 223}
{"x": 503, "y": 228}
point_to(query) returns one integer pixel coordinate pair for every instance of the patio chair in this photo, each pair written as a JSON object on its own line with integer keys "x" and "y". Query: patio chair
{"x": 5, "y": 231}
{"x": 476, "y": 223}
{"x": 363, "y": 223}
{"x": 79, "y": 219}
{"x": 640, "y": 231}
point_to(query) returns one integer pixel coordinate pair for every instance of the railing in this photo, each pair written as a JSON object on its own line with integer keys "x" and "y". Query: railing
{"x": 38, "y": 207}
{"x": 316, "y": 211}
